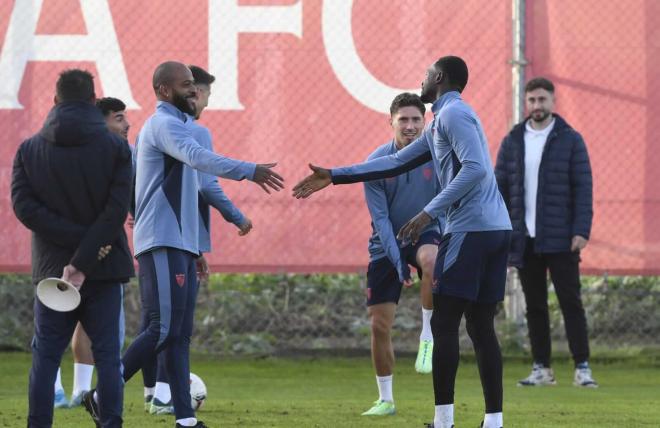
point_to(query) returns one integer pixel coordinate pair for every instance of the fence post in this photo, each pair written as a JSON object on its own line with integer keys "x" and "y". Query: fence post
{"x": 515, "y": 304}
{"x": 518, "y": 61}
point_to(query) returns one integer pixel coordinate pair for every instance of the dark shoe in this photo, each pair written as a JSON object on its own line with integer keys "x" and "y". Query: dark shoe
{"x": 200, "y": 424}
{"x": 91, "y": 407}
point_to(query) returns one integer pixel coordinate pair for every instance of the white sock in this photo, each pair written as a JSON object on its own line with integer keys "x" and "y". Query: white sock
{"x": 82, "y": 377}
{"x": 426, "y": 325}
{"x": 149, "y": 391}
{"x": 493, "y": 420}
{"x": 58, "y": 381}
{"x": 385, "y": 388}
{"x": 444, "y": 416}
{"x": 187, "y": 422}
{"x": 162, "y": 392}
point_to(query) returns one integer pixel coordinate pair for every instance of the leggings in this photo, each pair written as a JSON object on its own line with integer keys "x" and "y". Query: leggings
{"x": 447, "y": 314}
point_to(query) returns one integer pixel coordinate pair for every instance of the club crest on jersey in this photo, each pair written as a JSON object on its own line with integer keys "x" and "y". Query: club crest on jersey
{"x": 428, "y": 172}
{"x": 180, "y": 279}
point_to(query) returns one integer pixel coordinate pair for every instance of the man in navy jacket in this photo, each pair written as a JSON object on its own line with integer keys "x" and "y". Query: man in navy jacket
{"x": 544, "y": 175}
{"x": 71, "y": 186}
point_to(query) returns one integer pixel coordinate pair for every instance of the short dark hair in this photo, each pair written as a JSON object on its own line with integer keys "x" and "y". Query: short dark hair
{"x": 75, "y": 85}
{"x": 540, "y": 83}
{"x": 201, "y": 76}
{"x": 407, "y": 99}
{"x": 109, "y": 105}
{"x": 456, "y": 70}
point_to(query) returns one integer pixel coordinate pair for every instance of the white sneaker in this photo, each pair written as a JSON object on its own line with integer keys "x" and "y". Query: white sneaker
{"x": 583, "y": 378}
{"x": 540, "y": 376}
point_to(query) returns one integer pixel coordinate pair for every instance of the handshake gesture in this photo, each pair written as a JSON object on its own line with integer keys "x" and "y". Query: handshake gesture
{"x": 265, "y": 177}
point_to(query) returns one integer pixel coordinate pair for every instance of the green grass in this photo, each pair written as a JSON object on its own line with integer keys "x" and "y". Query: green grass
{"x": 331, "y": 392}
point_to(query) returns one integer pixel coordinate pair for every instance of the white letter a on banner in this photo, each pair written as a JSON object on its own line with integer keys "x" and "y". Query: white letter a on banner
{"x": 99, "y": 45}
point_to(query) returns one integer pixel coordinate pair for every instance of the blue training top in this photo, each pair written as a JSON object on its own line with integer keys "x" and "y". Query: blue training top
{"x": 166, "y": 201}
{"x": 393, "y": 202}
{"x": 469, "y": 197}
{"x": 210, "y": 193}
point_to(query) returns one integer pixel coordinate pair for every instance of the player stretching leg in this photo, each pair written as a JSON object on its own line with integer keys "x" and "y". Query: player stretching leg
{"x": 392, "y": 203}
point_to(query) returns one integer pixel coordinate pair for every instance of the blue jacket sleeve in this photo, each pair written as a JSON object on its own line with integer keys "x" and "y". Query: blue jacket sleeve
{"x": 460, "y": 129}
{"x": 378, "y": 208}
{"x": 209, "y": 187}
{"x": 214, "y": 195}
{"x": 131, "y": 207}
{"x": 501, "y": 170}
{"x": 581, "y": 183}
{"x": 406, "y": 159}
{"x": 173, "y": 138}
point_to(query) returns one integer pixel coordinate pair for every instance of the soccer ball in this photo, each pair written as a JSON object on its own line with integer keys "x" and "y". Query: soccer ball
{"x": 197, "y": 391}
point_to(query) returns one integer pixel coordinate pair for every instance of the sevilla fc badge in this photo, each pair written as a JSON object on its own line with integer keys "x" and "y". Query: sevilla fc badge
{"x": 428, "y": 173}
{"x": 180, "y": 279}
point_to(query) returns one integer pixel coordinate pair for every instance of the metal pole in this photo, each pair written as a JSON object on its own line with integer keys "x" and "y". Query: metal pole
{"x": 518, "y": 61}
{"x": 515, "y": 301}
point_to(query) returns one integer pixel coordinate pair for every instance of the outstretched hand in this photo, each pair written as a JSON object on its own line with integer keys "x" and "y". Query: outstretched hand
{"x": 314, "y": 182}
{"x": 265, "y": 177}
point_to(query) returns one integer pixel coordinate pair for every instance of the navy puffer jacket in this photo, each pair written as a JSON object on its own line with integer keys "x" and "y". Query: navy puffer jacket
{"x": 564, "y": 197}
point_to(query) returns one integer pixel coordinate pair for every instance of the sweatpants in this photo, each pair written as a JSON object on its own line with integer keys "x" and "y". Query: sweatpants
{"x": 100, "y": 315}
{"x": 168, "y": 287}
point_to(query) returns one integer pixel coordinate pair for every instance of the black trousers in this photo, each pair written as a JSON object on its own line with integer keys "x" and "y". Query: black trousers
{"x": 565, "y": 274}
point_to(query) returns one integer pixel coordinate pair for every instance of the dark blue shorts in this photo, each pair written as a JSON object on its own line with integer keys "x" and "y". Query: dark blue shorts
{"x": 472, "y": 265}
{"x": 383, "y": 285}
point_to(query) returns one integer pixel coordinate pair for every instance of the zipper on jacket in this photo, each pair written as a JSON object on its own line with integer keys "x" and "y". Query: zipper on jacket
{"x": 551, "y": 136}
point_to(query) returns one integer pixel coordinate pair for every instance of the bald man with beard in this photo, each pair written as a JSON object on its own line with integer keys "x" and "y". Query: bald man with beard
{"x": 166, "y": 233}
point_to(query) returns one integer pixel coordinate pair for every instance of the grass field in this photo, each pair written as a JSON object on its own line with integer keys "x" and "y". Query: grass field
{"x": 331, "y": 392}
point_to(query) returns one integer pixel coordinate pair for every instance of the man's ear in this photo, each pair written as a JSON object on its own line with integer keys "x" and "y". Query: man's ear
{"x": 163, "y": 91}
{"x": 440, "y": 77}
{"x": 56, "y": 100}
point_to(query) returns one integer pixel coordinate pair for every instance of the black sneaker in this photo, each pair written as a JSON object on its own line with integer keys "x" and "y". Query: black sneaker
{"x": 91, "y": 407}
{"x": 200, "y": 424}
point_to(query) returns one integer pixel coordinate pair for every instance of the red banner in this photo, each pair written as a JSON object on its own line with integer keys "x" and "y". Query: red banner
{"x": 303, "y": 81}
